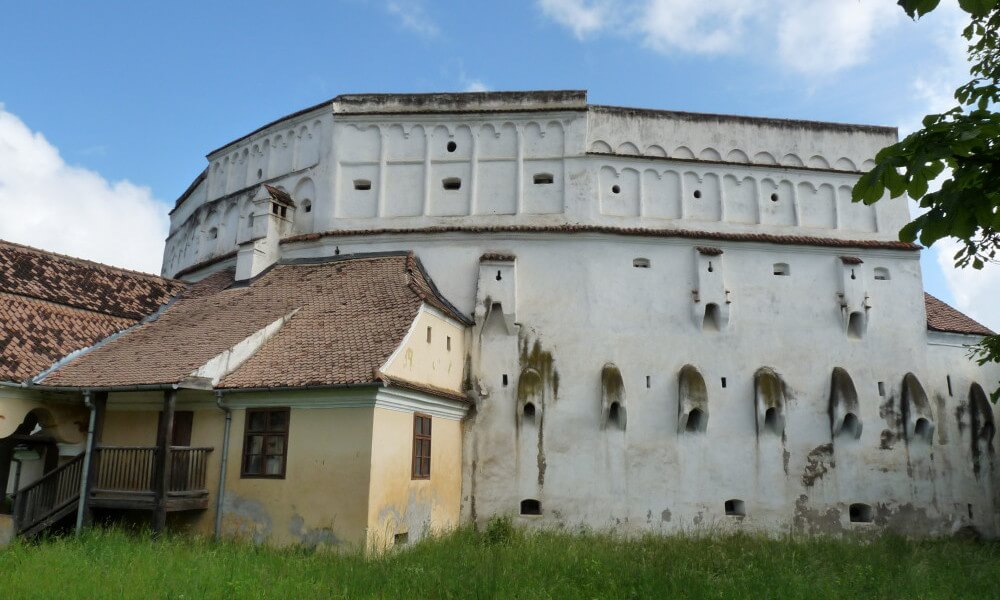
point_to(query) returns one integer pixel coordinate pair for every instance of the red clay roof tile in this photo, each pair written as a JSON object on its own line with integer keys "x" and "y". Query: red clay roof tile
{"x": 350, "y": 314}
{"x": 941, "y": 317}
{"x": 27, "y": 271}
{"x": 795, "y": 240}
{"x": 52, "y": 305}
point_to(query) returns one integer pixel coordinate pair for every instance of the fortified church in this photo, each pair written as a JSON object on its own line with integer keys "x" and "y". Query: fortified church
{"x": 387, "y": 315}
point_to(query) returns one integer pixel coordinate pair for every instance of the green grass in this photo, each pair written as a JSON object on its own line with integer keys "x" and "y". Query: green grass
{"x": 504, "y": 563}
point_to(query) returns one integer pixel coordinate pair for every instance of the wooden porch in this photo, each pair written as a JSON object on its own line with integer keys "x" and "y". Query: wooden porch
{"x": 123, "y": 478}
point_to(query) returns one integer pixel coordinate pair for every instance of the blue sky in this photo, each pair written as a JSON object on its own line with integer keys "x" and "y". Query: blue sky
{"x": 139, "y": 92}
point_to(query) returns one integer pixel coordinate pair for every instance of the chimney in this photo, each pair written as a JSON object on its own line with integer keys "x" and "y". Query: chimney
{"x": 271, "y": 214}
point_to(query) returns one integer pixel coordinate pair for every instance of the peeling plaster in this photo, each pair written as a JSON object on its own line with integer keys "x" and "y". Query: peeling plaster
{"x": 818, "y": 463}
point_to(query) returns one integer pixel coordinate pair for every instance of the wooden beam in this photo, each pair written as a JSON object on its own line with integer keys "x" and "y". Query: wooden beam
{"x": 6, "y": 455}
{"x": 161, "y": 481}
{"x": 100, "y": 402}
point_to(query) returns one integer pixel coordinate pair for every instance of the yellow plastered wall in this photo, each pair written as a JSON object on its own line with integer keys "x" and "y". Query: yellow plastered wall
{"x": 400, "y": 504}
{"x": 430, "y": 363}
{"x": 65, "y": 421}
{"x": 323, "y": 499}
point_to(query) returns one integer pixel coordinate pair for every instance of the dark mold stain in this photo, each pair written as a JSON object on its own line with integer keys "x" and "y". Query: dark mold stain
{"x": 818, "y": 462}
{"x": 538, "y": 373}
{"x": 942, "y": 431}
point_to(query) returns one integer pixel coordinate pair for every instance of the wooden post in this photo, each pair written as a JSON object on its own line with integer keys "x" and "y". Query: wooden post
{"x": 164, "y": 435}
{"x": 100, "y": 402}
{"x": 6, "y": 455}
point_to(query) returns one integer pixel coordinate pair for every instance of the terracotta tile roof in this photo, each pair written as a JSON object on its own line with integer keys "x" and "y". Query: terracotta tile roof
{"x": 279, "y": 195}
{"x": 708, "y": 250}
{"x": 34, "y": 334}
{"x": 347, "y": 316}
{"x": 26, "y": 271}
{"x": 52, "y": 305}
{"x": 941, "y": 317}
{"x": 851, "y": 260}
{"x": 794, "y": 240}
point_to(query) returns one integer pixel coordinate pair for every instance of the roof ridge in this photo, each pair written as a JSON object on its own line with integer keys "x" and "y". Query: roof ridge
{"x": 86, "y": 262}
{"x": 438, "y": 300}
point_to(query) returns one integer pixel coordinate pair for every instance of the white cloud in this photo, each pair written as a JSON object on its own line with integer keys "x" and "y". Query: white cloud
{"x": 582, "y": 17}
{"x": 51, "y": 205}
{"x": 695, "y": 26}
{"x": 411, "y": 15}
{"x": 476, "y": 85}
{"x": 815, "y": 37}
{"x": 975, "y": 292}
{"x": 822, "y": 36}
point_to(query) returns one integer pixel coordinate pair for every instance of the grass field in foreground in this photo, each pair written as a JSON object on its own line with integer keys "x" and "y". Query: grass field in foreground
{"x": 504, "y": 563}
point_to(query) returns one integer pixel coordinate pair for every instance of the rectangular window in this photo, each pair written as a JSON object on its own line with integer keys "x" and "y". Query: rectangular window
{"x": 421, "y": 446}
{"x": 265, "y": 443}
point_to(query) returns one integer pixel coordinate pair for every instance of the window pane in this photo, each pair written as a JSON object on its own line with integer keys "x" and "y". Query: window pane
{"x": 279, "y": 421}
{"x": 253, "y": 465}
{"x": 417, "y": 425}
{"x": 425, "y": 448}
{"x": 427, "y": 426}
{"x": 258, "y": 421}
{"x": 255, "y": 444}
{"x": 274, "y": 465}
{"x": 425, "y": 467}
{"x": 275, "y": 445}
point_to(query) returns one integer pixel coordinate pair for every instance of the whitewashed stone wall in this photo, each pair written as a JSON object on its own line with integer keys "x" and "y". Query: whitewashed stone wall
{"x": 576, "y": 359}
{"x": 570, "y": 165}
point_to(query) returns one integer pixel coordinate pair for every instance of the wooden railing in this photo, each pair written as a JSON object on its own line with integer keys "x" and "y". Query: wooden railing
{"x": 188, "y": 468}
{"x": 131, "y": 469}
{"x": 53, "y": 493}
{"x": 125, "y": 468}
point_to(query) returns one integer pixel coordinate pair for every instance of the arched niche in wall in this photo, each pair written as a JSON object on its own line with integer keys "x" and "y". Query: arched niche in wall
{"x": 305, "y": 197}
{"x": 983, "y": 424}
{"x": 845, "y": 410}
{"x": 769, "y": 401}
{"x": 692, "y": 405}
{"x": 613, "y": 412}
{"x": 530, "y": 397}
{"x": 917, "y": 415}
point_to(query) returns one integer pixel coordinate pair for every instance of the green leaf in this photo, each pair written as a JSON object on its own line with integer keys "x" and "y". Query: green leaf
{"x": 895, "y": 182}
{"x": 867, "y": 186}
{"x": 918, "y": 8}
{"x": 917, "y": 187}
{"x": 931, "y": 171}
{"x": 977, "y": 8}
{"x": 909, "y": 232}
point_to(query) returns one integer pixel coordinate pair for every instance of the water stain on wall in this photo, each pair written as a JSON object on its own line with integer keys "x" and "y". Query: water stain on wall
{"x": 312, "y": 537}
{"x": 246, "y": 518}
